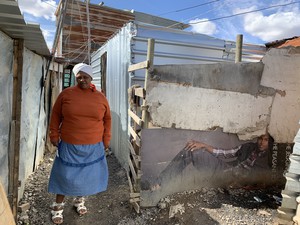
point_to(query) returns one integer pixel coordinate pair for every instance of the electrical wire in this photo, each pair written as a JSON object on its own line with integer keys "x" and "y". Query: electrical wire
{"x": 243, "y": 13}
{"x": 46, "y": 2}
{"x": 191, "y": 7}
{"x": 72, "y": 55}
{"x": 206, "y": 12}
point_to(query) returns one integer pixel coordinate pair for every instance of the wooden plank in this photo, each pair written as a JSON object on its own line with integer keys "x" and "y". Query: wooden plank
{"x": 11, "y": 160}
{"x": 133, "y": 172}
{"x": 138, "y": 66}
{"x": 136, "y": 119}
{"x": 131, "y": 200}
{"x": 132, "y": 151}
{"x": 16, "y": 116}
{"x": 135, "y": 136}
{"x": 6, "y": 216}
{"x": 136, "y": 206}
{"x": 135, "y": 157}
{"x": 129, "y": 181}
{"x": 140, "y": 92}
{"x": 135, "y": 195}
{"x": 150, "y": 58}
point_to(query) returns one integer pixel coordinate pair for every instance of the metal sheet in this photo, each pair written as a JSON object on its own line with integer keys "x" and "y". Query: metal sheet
{"x": 13, "y": 24}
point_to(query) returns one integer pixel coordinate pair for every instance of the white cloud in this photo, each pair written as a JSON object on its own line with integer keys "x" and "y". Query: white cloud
{"x": 38, "y": 8}
{"x": 49, "y": 33}
{"x": 275, "y": 26}
{"x": 208, "y": 28}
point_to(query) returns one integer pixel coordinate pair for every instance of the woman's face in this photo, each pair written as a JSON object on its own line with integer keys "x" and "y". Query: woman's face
{"x": 84, "y": 80}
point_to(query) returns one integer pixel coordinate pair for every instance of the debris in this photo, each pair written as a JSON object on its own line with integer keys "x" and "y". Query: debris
{"x": 264, "y": 213}
{"x": 174, "y": 209}
{"x": 277, "y": 199}
{"x": 257, "y": 199}
{"x": 162, "y": 205}
{"x": 24, "y": 207}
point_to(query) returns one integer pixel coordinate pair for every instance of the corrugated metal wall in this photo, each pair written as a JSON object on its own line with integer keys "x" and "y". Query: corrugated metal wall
{"x": 172, "y": 46}
{"x": 6, "y": 84}
{"x": 33, "y": 121}
{"x": 117, "y": 82}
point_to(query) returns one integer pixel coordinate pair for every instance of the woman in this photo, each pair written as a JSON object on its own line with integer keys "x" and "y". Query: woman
{"x": 80, "y": 127}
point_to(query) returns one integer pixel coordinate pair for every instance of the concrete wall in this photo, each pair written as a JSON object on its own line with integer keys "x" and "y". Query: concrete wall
{"x": 282, "y": 72}
{"x": 243, "y": 98}
{"x": 203, "y": 97}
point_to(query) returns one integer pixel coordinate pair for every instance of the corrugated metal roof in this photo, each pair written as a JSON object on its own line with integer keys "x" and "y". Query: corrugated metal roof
{"x": 13, "y": 24}
{"x": 156, "y": 20}
{"x": 103, "y": 22}
{"x": 293, "y": 41}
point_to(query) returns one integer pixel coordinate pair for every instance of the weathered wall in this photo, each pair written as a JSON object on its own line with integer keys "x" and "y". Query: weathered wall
{"x": 33, "y": 118}
{"x": 6, "y": 59}
{"x": 33, "y": 122}
{"x": 282, "y": 72}
{"x": 239, "y": 98}
{"x": 203, "y": 97}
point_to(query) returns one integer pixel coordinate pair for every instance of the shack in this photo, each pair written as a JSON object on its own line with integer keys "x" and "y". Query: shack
{"x": 29, "y": 81}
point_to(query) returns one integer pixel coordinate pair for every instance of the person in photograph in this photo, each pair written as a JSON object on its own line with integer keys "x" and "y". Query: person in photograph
{"x": 249, "y": 163}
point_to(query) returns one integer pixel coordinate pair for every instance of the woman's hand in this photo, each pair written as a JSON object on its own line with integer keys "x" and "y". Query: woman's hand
{"x": 194, "y": 145}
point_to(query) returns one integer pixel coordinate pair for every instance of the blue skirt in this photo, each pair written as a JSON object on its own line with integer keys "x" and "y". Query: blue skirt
{"x": 79, "y": 170}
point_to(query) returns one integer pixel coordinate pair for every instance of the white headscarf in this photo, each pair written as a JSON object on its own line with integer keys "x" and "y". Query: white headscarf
{"x": 84, "y": 68}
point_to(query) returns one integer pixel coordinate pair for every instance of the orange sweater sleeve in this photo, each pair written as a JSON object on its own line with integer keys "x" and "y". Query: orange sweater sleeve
{"x": 55, "y": 119}
{"x": 107, "y": 126}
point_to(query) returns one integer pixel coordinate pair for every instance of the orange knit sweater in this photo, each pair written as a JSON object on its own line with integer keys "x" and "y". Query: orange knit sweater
{"x": 81, "y": 116}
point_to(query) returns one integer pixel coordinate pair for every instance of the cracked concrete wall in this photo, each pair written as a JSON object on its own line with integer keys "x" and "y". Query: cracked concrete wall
{"x": 203, "y": 97}
{"x": 282, "y": 72}
{"x": 242, "y": 98}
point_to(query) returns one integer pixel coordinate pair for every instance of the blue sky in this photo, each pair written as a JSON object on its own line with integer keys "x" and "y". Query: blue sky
{"x": 279, "y": 19}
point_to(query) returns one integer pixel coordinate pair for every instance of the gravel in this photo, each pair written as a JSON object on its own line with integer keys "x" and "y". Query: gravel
{"x": 206, "y": 206}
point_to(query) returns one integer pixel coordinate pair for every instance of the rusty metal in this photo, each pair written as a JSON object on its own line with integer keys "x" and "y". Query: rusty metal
{"x": 104, "y": 22}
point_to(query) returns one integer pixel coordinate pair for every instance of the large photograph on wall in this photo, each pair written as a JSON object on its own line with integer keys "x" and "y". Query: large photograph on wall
{"x": 175, "y": 160}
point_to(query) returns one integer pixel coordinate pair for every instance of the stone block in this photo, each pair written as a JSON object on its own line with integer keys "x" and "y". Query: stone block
{"x": 286, "y": 214}
{"x": 297, "y": 137}
{"x": 292, "y": 184}
{"x": 296, "y": 148}
{"x": 294, "y": 164}
{"x": 289, "y": 200}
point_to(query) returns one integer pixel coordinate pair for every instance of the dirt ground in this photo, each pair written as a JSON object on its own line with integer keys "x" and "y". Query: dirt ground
{"x": 208, "y": 206}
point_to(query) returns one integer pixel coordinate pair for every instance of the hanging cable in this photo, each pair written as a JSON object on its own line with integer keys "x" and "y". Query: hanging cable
{"x": 89, "y": 30}
{"x": 191, "y": 7}
{"x": 243, "y": 13}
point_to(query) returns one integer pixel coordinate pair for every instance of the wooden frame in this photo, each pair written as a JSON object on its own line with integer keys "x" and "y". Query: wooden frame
{"x": 139, "y": 118}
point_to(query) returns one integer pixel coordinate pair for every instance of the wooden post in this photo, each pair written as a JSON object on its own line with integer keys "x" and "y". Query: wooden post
{"x": 16, "y": 117}
{"x": 239, "y": 46}
{"x": 150, "y": 57}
